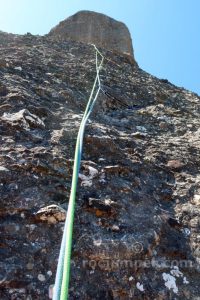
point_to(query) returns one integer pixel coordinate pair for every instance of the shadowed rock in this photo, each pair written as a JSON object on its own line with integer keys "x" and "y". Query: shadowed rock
{"x": 136, "y": 231}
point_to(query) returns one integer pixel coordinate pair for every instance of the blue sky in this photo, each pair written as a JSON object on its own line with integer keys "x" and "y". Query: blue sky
{"x": 165, "y": 33}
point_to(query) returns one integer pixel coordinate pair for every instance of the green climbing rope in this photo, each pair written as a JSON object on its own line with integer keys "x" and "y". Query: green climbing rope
{"x": 63, "y": 269}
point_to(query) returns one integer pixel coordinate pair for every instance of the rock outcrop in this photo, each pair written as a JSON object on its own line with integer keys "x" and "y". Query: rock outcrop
{"x": 136, "y": 233}
{"x": 91, "y": 27}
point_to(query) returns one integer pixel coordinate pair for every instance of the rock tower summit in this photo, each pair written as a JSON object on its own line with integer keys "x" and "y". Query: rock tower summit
{"x": 96, "y": 28}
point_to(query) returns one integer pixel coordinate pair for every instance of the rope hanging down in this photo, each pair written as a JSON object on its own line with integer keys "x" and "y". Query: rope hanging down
{"x": 63, "y": 269}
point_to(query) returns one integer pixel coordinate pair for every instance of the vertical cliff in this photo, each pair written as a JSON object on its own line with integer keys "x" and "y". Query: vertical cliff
{"x": 136, "y": 233}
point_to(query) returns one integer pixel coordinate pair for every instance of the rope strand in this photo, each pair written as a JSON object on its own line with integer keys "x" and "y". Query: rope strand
{"x": 61, "y": 287}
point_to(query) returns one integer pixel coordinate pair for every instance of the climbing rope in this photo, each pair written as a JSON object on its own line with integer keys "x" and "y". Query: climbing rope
{"x": 61, "y": 287}
{"x": 114, "y": 98}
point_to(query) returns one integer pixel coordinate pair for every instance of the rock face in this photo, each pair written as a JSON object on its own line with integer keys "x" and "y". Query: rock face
{"x": 91, "y": 27}
{"x": 136, "y": 233}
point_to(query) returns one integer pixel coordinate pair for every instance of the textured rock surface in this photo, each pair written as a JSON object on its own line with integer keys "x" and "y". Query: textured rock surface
{"x": 138, "y": 198}
{"x": 95, "y": 28}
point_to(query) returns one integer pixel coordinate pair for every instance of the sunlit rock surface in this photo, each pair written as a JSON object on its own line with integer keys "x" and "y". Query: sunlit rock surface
{"x": 99, "y": 29}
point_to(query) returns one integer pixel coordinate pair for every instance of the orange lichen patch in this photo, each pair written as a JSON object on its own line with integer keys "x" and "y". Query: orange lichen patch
{"x": 101, "y": 213}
